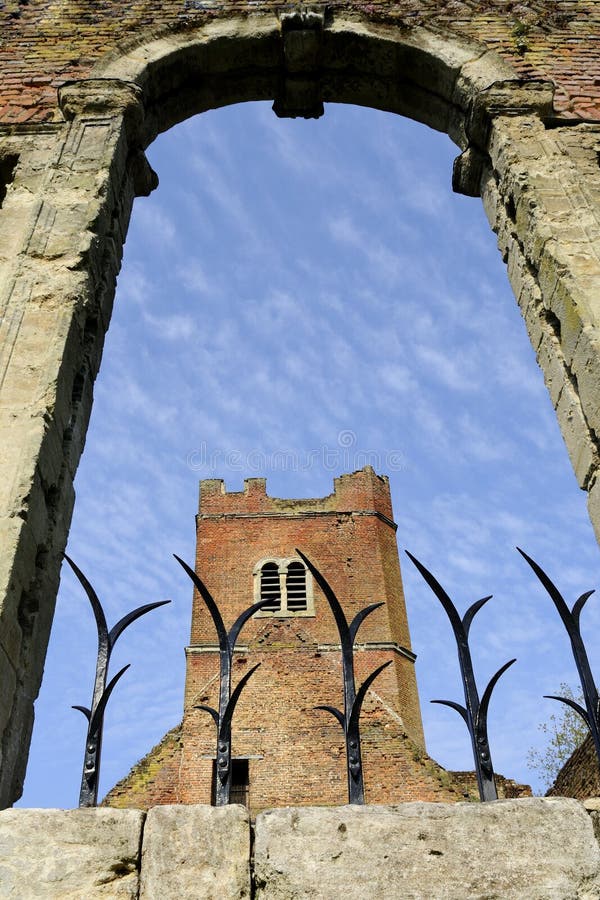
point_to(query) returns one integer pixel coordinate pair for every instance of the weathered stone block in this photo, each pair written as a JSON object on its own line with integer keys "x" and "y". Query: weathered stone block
{"x": 57, "y": 854}
{"x": 529, "y": 304}
{"x": 18, "y": 557}
{"x": 586, "y": 367}
{"x": 550, "y": 359}
{"x": 593, "y": 505}
{"x": 8, "y": 680}
{"x": 478, "y": 74}
{"x": 571, "y": 309}
{"x": 592, "y": 805}
{"x": 534, "y": 848}
{"x": 576, "y": 435}
{"x": 196, "y": 851}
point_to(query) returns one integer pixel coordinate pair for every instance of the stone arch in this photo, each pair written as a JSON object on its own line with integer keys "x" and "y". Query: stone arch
{"x": 303, "y": 60}
{"x": 66, "y": 206}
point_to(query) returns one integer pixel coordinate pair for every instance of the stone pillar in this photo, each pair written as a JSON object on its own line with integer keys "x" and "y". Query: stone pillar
{"x": 539, "y": 178}
{"x": 62, "y": 227}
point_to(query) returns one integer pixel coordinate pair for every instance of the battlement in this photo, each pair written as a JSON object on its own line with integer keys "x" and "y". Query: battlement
{"x": 361, "y": 491}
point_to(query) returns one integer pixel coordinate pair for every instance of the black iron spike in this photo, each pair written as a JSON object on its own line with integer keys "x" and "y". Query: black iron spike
{"x": 334, "y": 712}
{"x": 487, "y": 694}
{"x": 570, "y": 619}
{"x": 460, "y": 709}
{"x": 573, "y": 704}
{"x": 223, "y": 759}
{"x": 334, "y": 603}
{"x": 98, "y": 714}
{"x": 210, "y": 710}
{"x": 209, "y": 601}
{"x": 88, "y": 794}
{"x": 438, "y": 590}
{"x": 347, "y": 633}
{"x": 360, "y": 617}
{"x": 474, "y": 712}
{"x": 104, "y": 648}
{"x": 579, "y": 604}
{"x": 227, "y": 700}
{"x": 467, "y": 619}
{"x": 96, "y": 720}
{"x": 93, "y": 598}
{"x": 235, "y": 696}
{"x": 242, "y": 619}
{"x": 356, "y": 792}
{"x": 362, "y": 693}
{"x": 225, "y": 662}
{"x": 117, "y": 630}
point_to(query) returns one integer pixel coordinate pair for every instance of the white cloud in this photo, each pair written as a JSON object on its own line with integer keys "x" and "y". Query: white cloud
{"x": 486, "y": 445}
{"x": 192, "y": 275}
{"x": 398, "y": 377}
{"x": 172, "y": 328}
{"x": 454, "y": 370}
{"x": 156, "y": 225}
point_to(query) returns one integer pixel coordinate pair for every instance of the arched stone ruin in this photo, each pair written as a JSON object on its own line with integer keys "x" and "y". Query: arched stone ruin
{"x": 514, "y": 89}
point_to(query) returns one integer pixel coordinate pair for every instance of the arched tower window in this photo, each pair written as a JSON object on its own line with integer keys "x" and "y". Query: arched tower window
{"x": 287, "y": 585}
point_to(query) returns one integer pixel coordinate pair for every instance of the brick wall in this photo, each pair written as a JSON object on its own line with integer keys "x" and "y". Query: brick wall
{"x": 507, "y": 788}
{"x": 580, "y": 775}
{"x": 154, "y": 780}
{"x": 47, "y": 42}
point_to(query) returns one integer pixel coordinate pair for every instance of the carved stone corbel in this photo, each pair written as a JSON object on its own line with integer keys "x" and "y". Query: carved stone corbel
{"x": 105, "y": 99}
{"x": 300, "y": 93}
{"x": 503, "y": 98}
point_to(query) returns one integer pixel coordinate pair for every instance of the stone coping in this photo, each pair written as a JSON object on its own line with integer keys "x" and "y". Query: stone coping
{"x": 534, "y": 848}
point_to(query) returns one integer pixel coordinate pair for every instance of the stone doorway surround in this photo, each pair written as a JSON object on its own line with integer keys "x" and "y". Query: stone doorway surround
{"x": 67, "y": 187}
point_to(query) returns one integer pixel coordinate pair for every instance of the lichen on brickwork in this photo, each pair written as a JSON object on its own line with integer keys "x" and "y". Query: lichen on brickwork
{"x": 143, "y": 787}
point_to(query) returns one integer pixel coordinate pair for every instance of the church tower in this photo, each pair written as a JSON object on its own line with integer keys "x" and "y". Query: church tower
{"x": 285, "y": 752}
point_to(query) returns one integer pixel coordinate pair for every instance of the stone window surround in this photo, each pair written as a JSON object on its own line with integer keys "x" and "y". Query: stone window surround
{"x": 283, "y": 612}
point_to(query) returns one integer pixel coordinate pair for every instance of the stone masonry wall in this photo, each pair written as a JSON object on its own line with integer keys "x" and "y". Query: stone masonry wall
{"x": 536, "y": 848}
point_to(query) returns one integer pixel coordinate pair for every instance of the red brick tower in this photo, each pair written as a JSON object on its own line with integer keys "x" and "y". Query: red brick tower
{"x": 284, "y": 751}
{"x": 246, "y": 551}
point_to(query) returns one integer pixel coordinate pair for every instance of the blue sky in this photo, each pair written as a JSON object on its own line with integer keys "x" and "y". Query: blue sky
{"x": 299, "y": 298}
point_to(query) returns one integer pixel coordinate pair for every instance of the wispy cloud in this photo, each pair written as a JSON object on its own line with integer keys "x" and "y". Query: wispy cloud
{"x": 454, "y": 371}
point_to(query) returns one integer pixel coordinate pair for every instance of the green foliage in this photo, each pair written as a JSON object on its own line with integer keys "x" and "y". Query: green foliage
{"x": 565, "y": 731}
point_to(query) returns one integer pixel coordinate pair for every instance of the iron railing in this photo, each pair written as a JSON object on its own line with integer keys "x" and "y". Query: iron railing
{"x": 474, "y": 711}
